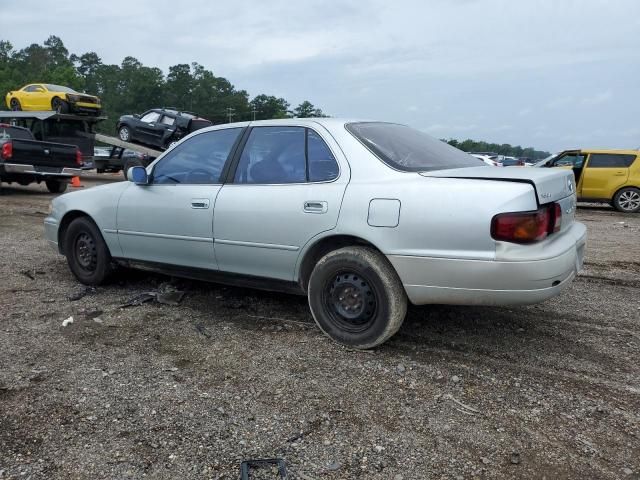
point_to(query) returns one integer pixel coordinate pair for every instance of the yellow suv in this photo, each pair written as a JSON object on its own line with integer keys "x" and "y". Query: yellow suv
{"x": 611, "y": 176}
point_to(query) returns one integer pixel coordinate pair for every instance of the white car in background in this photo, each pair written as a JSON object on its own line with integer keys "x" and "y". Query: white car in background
{"x": 489, "y": 160}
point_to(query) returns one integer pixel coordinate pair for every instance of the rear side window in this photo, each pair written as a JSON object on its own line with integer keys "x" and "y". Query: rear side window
{"x": 277, "y": 155}
{"x": 407, "y": 149}
{"x": 197, "y": 161}
{"x": 610, "y": 160}
{"x": 7, "y": 132}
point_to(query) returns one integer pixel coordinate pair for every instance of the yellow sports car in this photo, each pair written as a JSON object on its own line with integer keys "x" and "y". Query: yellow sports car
{"x": 44, "y": 96}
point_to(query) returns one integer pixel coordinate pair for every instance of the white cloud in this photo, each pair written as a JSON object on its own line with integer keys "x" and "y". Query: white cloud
{"x": 598, "y": 98}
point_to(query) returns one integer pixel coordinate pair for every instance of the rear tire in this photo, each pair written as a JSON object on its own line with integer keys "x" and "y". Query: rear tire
{"x": 59, "y": 105}
{"x": 627, "y": 200}
{"x": 356, "y": 297}
{"x": 124, "y": 133}
{"x": 14, "y": 104}
{"x": 87, "y": 254}
{"x": 56, "y": 186}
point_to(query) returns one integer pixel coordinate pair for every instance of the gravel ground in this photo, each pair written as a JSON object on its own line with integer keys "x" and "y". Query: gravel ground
{"x": 189, "y": 391}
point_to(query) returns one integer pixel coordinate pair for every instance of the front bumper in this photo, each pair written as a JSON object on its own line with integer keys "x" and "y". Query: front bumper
{"x": 51, "y": 232}
{"x": 429, "y": 280}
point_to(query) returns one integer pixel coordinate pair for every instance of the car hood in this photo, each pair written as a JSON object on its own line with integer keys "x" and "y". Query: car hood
{"x": 551, "y": 184}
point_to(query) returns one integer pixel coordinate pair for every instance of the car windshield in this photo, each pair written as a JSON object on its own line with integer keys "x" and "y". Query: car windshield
{"x": 410, "y": 150}
{"x": 59, "y": 88}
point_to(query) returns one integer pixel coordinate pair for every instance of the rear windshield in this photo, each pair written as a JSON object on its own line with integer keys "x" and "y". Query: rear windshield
{"x": 7, "y": 132}
{"x": 405, "y": 148}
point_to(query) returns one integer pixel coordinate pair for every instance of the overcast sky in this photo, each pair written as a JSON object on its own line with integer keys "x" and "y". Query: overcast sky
{"x": 550, "y": 74}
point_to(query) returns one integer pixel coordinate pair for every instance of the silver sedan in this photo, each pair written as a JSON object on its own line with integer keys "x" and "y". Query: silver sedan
{"x": 362, "y": 217}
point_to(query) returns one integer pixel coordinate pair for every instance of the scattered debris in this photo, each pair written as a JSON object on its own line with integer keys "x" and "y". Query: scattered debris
{"x": 29, "y": 274}
{"x": 80, "y": 293}
{"x": 200, "y": 328}
{"x": 515, "y": 458}
{"x": 139, "y": 299}
{"x": 455, "y": 379}
{"x": 67, "y": 321}
{"x": 273, "y": 465}
{"x": 334, "y": 466}
{"x": 170, "y": 298}
{"x": 166, "y": 295}
{"x": 466, "y": 407}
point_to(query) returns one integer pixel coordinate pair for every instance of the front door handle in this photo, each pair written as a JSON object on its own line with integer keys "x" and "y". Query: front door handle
{"x": 200, "y": 203}
{"x": 315, "y": 206}
{"x": 619, "y": 174}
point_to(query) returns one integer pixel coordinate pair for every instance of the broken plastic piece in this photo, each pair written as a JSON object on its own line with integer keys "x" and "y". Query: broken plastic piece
{"x": 248, "y": 465}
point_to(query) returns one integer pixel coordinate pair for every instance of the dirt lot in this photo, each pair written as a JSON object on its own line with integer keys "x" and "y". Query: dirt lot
{"x": 189, "y": 391}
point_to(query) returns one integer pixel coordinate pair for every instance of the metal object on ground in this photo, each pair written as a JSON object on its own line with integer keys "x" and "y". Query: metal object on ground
{"x": 248, "y": 465}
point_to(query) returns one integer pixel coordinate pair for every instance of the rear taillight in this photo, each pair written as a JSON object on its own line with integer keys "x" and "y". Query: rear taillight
{"x": 557, "y": 217}
{"x": 527, "y": 227}
{"x": 78, "y": 157}
{"x": 7, "y": 150}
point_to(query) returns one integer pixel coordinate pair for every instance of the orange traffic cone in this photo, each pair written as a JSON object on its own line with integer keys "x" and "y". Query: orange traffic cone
{"x": 75, "y": 182}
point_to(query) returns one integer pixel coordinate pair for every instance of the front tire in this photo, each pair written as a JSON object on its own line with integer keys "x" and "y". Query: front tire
{"x": 627, "y": 200}
{"x": 356, "y": 297}
{"x": 87, "y": 254}
{"x": 56, "y": 186}
{"x": 59, "y": 105}
{"x": 14, "y": 104}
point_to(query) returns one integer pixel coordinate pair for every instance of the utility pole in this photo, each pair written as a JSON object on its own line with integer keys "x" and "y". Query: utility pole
{"x": 254, "y": 111}
{"x": 230, "y": 112}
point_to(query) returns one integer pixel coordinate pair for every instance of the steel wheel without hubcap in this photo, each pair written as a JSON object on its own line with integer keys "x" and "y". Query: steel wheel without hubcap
{"x": 86, "y": 252}
{"x": 356, "y": 297}
{"x": 350, "y": 301}
{"x": 629, "y": 200}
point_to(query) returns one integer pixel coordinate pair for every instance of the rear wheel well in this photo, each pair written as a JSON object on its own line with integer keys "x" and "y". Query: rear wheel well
{"x": 64, "y": 225}
{"x": 321, "y": 248}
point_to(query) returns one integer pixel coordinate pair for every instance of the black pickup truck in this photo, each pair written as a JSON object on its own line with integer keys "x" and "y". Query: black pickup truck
{"x": 25, "y": 160}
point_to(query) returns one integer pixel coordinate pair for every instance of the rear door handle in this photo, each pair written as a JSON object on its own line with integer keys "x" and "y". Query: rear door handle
{"x": 200, "y": 203}
{"x": 315, "y": 206}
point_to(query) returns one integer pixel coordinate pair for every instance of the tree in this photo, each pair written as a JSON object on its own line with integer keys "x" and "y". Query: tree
{"x": 306, "y": 109}
{"x": 266, "y": 107}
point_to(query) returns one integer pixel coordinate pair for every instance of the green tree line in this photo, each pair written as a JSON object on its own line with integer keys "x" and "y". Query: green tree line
{"x": 501, "y": 149}
{"x": 132, "y": 87}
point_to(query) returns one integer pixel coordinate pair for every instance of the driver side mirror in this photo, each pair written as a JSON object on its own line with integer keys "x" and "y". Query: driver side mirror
{"x": 138, "y": 175}
{"x": 39, "y": 89}
{"x": 136, "y": 115}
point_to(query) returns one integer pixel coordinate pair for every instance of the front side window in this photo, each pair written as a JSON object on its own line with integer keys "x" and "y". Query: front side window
{"x": 150, "y": 117}
{"x": 407, "y": 149}
{"x": 610, "y": 160}
{"x": 31, "y": 88}
{"x": 276, "y": 155}
{"x": 573, "y": 160}
{"x": 166, "y": 120}
{"x": 197, "y": 161}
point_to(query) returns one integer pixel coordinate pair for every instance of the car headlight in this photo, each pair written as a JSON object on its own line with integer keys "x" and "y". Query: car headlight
{"x": 72, "y": 98}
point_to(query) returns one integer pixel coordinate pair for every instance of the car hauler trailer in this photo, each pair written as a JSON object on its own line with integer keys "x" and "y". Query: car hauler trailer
{"x": 80, "y": 130}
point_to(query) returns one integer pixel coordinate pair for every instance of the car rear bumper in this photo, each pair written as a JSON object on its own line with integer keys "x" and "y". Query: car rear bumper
{"x": 429, "y": 280}
{"x": 41, "y": 171}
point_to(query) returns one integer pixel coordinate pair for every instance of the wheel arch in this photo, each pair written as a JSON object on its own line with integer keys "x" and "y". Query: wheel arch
{"x": 320, "y": 248}
{"x": 66, "y": 220}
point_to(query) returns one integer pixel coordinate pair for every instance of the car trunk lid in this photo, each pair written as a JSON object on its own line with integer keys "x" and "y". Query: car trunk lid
{"x": 550, "y": 184}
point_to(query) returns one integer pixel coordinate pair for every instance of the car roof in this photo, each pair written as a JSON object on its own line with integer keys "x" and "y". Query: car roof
{"x": 614, "y": 151}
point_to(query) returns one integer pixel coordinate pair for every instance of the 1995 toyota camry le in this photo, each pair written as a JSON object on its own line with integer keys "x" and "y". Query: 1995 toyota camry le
{"x": 362, "y": 217}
